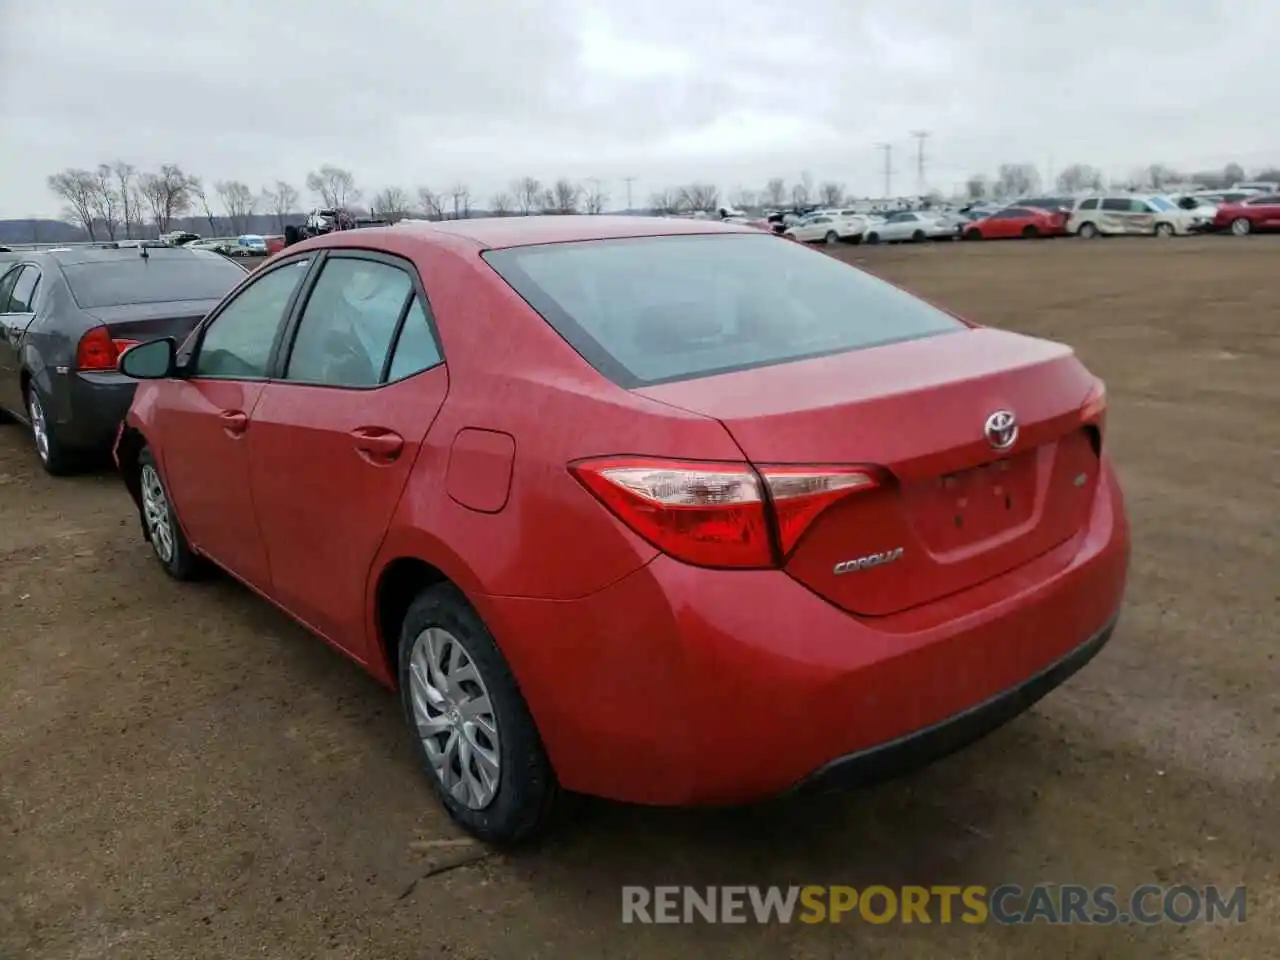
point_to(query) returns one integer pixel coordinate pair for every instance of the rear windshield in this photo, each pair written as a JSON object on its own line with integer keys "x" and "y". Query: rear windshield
{"x": 156, "y": 279}
{"x": 657, "y": 309}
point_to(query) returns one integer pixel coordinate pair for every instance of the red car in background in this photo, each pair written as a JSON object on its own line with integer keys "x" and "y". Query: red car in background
{"x": 1254, "y": 215}
{"x": 1026, "y": 223}
{"x": 667, "y": 511}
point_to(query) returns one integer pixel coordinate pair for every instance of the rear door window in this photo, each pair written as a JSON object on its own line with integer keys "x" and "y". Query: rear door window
{"x": 655, "y": 309}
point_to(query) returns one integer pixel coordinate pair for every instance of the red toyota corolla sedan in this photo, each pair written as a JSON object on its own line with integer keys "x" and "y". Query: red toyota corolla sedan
{"x": 666, "y": 511}
{"x": 1026, "y": 223}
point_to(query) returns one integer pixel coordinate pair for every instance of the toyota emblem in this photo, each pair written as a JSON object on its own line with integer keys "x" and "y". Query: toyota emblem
{"x": 1001, "y": 430}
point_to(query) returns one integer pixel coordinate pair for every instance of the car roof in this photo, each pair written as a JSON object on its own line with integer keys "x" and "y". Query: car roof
{"x": 492, "y": 232}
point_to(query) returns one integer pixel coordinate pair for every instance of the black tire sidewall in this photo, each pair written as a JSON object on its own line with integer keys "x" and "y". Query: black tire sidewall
{"x": 527, "y": 788}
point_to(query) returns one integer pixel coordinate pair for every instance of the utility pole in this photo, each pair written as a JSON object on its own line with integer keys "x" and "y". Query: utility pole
{"x": 628, "y": 181}
{"x": 920, "y": 137}
{"x": 888, "y": 168}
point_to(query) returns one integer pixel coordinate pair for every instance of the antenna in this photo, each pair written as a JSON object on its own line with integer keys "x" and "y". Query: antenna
{"x": 888, "y": 168}
{"x": 628, "y": 181}
{"x": 920, "y": 137}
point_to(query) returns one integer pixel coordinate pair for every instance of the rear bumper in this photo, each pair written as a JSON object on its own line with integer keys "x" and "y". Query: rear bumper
{"x": 685, "y": 686}
{"x": 888, "y": 760}
{"x": 93, "y": 408}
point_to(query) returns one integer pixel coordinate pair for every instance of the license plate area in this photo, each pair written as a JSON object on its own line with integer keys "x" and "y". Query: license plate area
{"x": 962, "y": 509}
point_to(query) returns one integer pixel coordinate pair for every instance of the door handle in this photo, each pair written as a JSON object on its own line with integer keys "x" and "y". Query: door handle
{"x": 234, "y": 422}
{"x": 376, "y": 443}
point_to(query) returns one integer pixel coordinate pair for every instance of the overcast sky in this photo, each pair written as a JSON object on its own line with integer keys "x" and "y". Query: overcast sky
{"x": 666, "y": 91}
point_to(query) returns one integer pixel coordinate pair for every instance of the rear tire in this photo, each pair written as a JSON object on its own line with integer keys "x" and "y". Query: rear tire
{"x": 465, "y": 711}
{"x": 873, "y": 237}
{"x": 832, "y": 238}
{"x": 168, "y": 543}
{"x": 1087, "y": 231}
{"x": 1029, "y": 232}
{"x": 1241, "y": 226}
{"x": 973, "y": 233}
{"x": 57, "y": 458}
{"x": 1164, "y": 230}
{"x": 919, "y": 236}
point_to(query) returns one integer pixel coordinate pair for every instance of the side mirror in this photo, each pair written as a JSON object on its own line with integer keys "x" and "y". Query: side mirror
{"x": 153, "y": 360}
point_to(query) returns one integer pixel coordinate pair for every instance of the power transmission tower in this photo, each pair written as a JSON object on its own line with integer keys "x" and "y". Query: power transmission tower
{"x": 888, "y": 168}
{"x": 920, "y": 137}
{"x": 628, "y": 181}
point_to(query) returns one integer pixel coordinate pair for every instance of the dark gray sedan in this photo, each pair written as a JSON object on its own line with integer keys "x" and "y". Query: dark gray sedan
{"x": 66, "y": 316}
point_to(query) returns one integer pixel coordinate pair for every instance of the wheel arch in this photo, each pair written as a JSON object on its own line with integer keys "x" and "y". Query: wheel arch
{"x": 407, "y": 566}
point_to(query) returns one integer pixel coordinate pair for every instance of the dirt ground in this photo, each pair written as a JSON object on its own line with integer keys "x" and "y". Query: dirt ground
{"x": 184, "y": 773}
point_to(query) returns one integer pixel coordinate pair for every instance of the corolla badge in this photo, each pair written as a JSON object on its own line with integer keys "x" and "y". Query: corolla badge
{"x": 870, "y": 560}
{"x": 1001, "y": 430}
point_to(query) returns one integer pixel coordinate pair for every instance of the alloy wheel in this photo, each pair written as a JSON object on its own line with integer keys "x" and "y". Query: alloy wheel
{"x": 155, "y": 510}
{"x": 39, "y": 426}
{"x": 455, "y": 718}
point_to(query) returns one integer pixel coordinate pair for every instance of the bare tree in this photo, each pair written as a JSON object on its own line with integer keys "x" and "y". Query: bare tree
{"x": 1232, "y": 174}
{"x": 776, "y": 192}
{"x": 1017, "y": 179}
{"x": 138, "y": 210}
{"x": 799, "y": 194}
{"x": 334, "y": 186}
{"x": 200, "y": 198}
{"x": 744, "y": 199}
{"x": 500, "y": 204}
{"x": 391, "y": 204}
{"x": 698, "y": 196}
{"x": 238, "y": 200}
{"x": 460, "y": 194}
{"x": 1159, "y": 174}
{"x": 665, "y": 201}
{"x": 431, "y": 204}
{"x": 76, "y": 188}
{"x": 547, "y": 201}
{"x": 168, "y": 194}
{"x": 831, "y": 194}
{"x": 1269, "y": 175}
{"x": 527, "y": 192}
{"x": 595, "y": 198}
{"x": 283, "y": 201}
{"x": 123, "y": 173}
{"x": 105, "y": 202}
{"x": 567, "y": 195}
{"x": 977, "y": 186}
{"x": 1079, "y": 176}
{"x": 806, "y": 181}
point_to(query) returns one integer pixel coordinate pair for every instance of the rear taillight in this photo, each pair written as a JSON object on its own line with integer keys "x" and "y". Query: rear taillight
{"x": 799, "y": 494}
{"x": 1094, "y": 414}
{"x": 97, "y": 351}
{"x": 718, "y": 514}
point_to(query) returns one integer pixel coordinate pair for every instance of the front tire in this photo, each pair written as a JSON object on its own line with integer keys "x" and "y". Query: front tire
{"x": 1087, "y": 231}
{"x": 832, "y": 238}
{"x": 1241, "y": 226}
{"x": 973, "y": 234}
{"x": 168, "y": 543}
{"x": 1029, "y": 232}
{"x": 472, "y": 728}
{"x": 873, "y": 237}
{"x": 1164, "y": 230}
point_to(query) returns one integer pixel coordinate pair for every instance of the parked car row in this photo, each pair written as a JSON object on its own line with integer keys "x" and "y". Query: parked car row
{"x": 391, "y": 434}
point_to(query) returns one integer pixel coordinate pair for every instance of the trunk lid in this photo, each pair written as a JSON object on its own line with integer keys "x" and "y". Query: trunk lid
{"x": 952, "y": 510}
{"x": 141, "y": 322}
